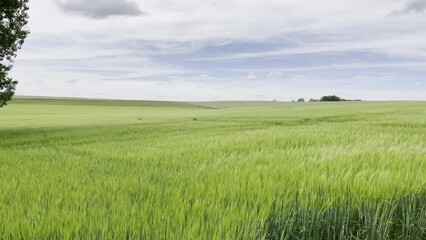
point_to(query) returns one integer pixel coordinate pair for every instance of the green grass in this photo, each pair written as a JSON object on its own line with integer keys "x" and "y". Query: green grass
{"x": 82, "y": 169}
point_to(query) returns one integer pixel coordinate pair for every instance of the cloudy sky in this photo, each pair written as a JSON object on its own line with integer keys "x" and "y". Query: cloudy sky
{"x": 225, "y": 49}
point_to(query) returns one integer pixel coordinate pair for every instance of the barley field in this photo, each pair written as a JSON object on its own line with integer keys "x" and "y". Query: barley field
{"x": 100, "y": 169}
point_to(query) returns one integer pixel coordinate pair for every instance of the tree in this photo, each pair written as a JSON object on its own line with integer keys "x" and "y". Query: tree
{"x": 332, "y": 98}
{"x": 13, "y": 18}
{"x": 300, "y": 100}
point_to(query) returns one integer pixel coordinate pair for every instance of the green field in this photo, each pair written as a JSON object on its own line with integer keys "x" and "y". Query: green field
{"x": 99, "y": 169}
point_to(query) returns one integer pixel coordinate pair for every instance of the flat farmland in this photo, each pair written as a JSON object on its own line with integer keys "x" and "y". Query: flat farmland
{"x": 103, "y": 169}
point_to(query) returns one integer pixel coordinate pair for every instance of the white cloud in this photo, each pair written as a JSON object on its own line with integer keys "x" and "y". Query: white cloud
{"x": 252, "y": 77}
{"x": 373, "y": 77}
{"x": 275, "y": 74}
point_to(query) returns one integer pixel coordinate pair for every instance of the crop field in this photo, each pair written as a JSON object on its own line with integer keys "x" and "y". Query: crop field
{"x": 99, "y": 169}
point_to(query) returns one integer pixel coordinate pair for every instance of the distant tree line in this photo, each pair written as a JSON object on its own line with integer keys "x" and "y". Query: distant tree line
{"x": 331, "y": 98}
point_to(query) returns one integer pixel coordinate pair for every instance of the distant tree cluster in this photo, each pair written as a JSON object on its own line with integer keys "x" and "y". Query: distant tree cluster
{"x": 331, "y": 98}
{"x": 334, "y": 98}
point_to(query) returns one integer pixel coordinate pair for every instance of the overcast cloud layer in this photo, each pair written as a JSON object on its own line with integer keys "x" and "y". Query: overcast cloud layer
{"x": 225, "y": 49}
{"x": 416, "y": 6}
{"x": 100, "y": 8}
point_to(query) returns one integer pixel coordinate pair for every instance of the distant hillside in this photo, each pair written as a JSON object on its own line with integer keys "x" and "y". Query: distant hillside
{"x": 101, "y": 102}
{"x": 234, "y": 104}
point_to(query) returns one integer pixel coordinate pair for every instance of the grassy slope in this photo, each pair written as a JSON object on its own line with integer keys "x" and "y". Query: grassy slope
{"x": 50, "y": 112}
{"x": 246, "y": 170}
{"x": 100, "y": 102}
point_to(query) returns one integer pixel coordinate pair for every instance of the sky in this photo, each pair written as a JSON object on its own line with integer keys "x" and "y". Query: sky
{"x": 208, "y": 50}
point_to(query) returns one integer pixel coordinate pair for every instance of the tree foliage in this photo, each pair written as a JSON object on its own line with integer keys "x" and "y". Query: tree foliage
{"x": 332, "y": 98}
{"x": 13, "y": 18}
